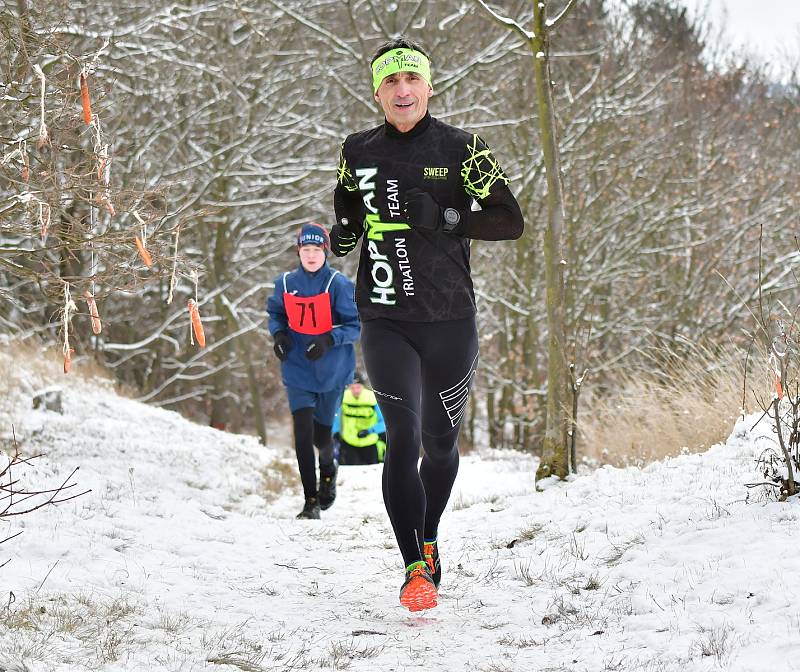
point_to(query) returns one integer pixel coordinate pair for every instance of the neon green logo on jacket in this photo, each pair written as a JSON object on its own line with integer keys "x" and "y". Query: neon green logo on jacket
{"x": 430, "y": 173}
{"x": 376, "y": 228}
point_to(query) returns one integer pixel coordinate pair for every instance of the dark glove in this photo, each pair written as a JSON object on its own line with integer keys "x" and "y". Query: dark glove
{"x": 423, "y": 212}
{"x": 318, "y": 346}
{"x": 283, "y": 343}
{"x": 363, "y": 433}
{"x": 343, "y": 240}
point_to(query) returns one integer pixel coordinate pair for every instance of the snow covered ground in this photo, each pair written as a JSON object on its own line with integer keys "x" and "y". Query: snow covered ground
{"x": 179, "y": 559}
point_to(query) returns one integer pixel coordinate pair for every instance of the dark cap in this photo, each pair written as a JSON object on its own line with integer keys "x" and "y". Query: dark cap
{"x": 314, "y": 234}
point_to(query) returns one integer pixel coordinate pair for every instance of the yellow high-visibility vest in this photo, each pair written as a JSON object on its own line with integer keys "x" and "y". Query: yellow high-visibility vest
{"x": 357, "y": 414}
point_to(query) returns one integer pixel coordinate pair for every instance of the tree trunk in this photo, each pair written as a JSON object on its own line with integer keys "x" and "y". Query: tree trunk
{"x": 243, "y": 350}
{"x": 491, "y": 419}
{"x": 555, "y": 452}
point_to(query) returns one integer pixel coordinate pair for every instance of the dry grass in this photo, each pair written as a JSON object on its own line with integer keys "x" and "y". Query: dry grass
{"x": 105, "y": 624}
{"x": 716, "y": 643}
{"x": 461, "y": 501}
{"x": 42, "y": 368}
{"x": 249, "y": 651}
{"x": 16, "y": 377}
{"x": 682, "y": 403}
{"x": 26, "y": 368}
{"x": 342, "y": 653}
{"x": 279, "y": 477}
{"x": 43, "y": 365}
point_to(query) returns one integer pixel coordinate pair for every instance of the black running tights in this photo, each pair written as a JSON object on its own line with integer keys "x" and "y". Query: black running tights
{"x": 307, "y": 434}
{"x": 421, "y": 374}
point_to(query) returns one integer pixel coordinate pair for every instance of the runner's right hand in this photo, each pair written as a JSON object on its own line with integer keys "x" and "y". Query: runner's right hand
{"x": 283, "y": 343}
{"x": 342, "y": 240}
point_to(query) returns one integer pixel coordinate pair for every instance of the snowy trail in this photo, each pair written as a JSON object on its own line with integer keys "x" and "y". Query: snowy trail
{"x": 176, "y": 561}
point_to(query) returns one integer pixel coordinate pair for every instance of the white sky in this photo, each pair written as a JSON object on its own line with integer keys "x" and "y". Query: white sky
{"x": 766, "y": 29}
{"x": 756, "y": 23}
{"x": 175, "y": 562}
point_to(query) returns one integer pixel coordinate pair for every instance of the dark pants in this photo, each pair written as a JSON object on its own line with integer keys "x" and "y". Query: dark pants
{"x": 421, "y": 374}
{"x": 307, "y": 434}
{"x": 357, "y": 454}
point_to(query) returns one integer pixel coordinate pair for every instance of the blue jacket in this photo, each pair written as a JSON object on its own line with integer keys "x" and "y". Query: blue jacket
{"x": 335, "y": 368}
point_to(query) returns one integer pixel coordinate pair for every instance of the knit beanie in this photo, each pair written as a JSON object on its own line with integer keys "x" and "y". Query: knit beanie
{"x": 314, "y": 234}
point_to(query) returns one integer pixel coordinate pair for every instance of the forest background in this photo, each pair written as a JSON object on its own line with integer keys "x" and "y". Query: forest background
{"x": 221, "y": 124}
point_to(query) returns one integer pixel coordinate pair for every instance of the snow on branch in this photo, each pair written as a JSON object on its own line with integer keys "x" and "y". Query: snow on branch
{"x": 552, "y": 24}
{"x": 527, "y": 35}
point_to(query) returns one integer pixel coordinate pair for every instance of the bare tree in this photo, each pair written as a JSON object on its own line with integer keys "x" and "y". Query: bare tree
{"x": 18, "y": 500}
{"x": 228, "y": 114}
{"x": 776, "y": 335}
{"x": 71, "y": 233}
{"x": 555, "y": 448}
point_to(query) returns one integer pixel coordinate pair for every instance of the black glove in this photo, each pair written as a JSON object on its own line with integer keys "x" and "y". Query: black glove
{"x": 423, "y": 212}
{"x": 363, "y": 433}
{"x": 318, "y": 346}
{"x": 283, "y": 343}
{"x": 343, "y": 240}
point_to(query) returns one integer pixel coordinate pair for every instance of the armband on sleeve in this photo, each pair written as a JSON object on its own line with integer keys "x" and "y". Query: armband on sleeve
{"x": 344, "y": 176}
{"x": 480, "y": 170}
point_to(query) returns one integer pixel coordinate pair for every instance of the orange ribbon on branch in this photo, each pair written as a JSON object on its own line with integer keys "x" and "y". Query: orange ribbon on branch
{"x": 778, "y": 387}
{"x": 197, "y": 325}
{"x": 97, "y": 325}
{"x": 146, "y": 258}
{"x": 68, "y": 359}
{"x": 85, "y": 102}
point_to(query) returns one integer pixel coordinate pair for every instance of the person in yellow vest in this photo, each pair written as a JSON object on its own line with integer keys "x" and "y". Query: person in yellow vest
{"x": 359, "y": 426}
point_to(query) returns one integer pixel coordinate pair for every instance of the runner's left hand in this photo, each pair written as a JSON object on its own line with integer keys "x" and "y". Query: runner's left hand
{"x": 423, "y": 212}
{"x": 343, "y": 240}
{"x": 318, "y": 346}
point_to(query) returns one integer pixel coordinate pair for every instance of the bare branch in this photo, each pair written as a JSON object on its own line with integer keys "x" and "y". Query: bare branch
{"x": 552, "y": 24}
{"x": 526, "y": 35}
{"x": 16, "y": 497}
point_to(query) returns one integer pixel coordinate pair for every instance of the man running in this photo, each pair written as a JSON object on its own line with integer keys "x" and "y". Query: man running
{"x": 407, "y": 187}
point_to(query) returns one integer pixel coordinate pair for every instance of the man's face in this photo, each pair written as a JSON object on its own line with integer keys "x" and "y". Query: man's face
{"x": 312, "y": 257}
{"x": 404, "y": 99}
{"x": 356, "y": 388}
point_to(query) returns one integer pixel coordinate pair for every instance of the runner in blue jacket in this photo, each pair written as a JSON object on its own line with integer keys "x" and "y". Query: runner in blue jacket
{"x": 314, "y": 322}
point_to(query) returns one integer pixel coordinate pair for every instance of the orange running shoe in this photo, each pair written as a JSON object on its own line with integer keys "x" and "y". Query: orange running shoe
{"x": 431, "y": 553}
{"x": 418, "y": 591}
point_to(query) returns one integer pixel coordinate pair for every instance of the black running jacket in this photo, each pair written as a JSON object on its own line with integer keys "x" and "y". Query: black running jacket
{"x": 417, "y": 274}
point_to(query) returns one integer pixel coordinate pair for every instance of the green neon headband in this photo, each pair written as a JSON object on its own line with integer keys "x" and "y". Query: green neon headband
{"x": 399, "y": 60}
